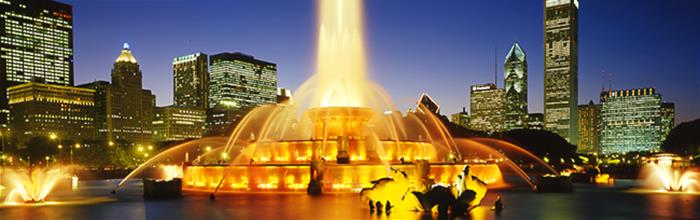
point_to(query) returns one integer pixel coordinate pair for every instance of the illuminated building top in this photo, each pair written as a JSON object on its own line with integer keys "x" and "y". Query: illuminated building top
{"x": 551, "y": 3}
{"x": 126, "y": 55}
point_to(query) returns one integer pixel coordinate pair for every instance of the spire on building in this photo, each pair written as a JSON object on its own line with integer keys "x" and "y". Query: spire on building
{"x": 515, "y": 53}
{"x": 495, "y": 66}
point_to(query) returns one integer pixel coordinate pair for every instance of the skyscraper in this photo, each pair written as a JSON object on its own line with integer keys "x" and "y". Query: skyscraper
{"x": 515, "y": 71}
{"x": 36, "y": 42}
{"x": 123, "y": 109}
{"x": 487, "y": 105}
{"x": 588, "y": 124}
{"x": 561, "y": 68}
{"x": 240, "y": 81}
{"x": 631, "y": 120}
{"x": 191, "y": 81}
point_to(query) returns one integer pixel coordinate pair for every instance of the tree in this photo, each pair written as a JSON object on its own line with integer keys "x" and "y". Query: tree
{"x": 684, "y": 139}
{"x": 38, "y": 148}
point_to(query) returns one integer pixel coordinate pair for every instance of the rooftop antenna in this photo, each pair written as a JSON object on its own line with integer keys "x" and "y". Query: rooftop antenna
{"x": 495, "y": 66}
{"x": 610, "y": 78}
{"x": 602, "y": 80}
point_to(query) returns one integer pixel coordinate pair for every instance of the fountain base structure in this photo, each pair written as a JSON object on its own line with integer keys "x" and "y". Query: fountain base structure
{"x": 162, "y": 189}
{"x": 549, "y": 183}
{"x": 336, "y": 177}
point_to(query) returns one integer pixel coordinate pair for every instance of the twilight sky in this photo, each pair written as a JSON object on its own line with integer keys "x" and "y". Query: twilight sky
{"x": 440, "y": 47}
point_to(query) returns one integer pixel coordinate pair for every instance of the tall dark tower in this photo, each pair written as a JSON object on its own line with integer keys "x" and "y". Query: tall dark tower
{"x": 123, "y": 109}
{"x": 515, "y": 77}
{"x": 36, "y": 44}
{"x": 561, "y": 68}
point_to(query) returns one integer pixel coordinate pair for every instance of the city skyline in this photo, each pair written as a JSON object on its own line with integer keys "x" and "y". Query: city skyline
{"x": 455, "y": 58}
{"x": 216, "y": 110}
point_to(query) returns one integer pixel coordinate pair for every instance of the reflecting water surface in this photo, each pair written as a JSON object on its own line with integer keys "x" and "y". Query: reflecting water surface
{"x": 587, "y": 202}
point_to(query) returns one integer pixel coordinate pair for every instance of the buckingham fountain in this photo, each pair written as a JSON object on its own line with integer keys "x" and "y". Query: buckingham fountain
{"x": 340, "y": 132}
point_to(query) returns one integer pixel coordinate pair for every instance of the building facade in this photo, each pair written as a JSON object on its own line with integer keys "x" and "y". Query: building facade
{"x": 175, "y": 123}
{"x": 588, "y": 124}
{"x": 123, "y": 109}
{"x": 668, "y": 118}
{"x": 461, "y": 118}
{"x": 427, "y": 103}
{"x": 535, "y": 121}
{"x": 515, "y": 77}
{"x": 240, "y": 81}
{"x": 631, "y": 120}
{"x": 284, "y": 96}
{"x": 487, "y": 105}
{"x": 222, "y": 120}
{"x": 191, "y": 81}
{"x": 561, "y": 68}
{"x": 36, "y": 42}
{"x": 40, "y": 110}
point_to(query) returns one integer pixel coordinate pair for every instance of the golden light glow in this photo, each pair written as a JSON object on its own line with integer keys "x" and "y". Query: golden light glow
{"x": 340, "y": 62}
{"x": 169, "y": 172}
{"x": 337, "y": 179}
{"x": 32, "y": 185}
{"x": 604, "y": 178}
{"x": 664, "y": 177}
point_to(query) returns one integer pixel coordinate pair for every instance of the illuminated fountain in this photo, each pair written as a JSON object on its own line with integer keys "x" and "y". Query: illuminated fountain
{"x": 31, "y": 186}
{"x": 665, "y": 172}
{"x": 340, "y": 132}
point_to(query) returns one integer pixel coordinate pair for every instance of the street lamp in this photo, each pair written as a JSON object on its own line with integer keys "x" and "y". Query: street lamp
{"x": 54, "y": 137}
{"x": 76, "y": 146}
{"x": 47, "y": 161}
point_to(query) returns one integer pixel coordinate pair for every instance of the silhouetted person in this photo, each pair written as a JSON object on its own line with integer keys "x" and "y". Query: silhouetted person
{"x": 378, "y": 205}
{"x": 371, "y": 206}
{"x": 498, "y": 205}
{"x": 388, "y": 207}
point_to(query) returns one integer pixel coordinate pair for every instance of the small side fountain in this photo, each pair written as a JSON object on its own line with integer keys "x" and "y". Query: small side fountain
{"x": 32, "y": 186}
{"x": 667, "y": 172}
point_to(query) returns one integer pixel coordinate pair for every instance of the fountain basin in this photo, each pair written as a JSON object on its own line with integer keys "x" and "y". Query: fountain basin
{"x": 336, "y": 178}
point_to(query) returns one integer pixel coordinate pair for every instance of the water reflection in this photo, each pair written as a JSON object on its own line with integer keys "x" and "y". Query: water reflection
{"x": 587, "y": 202}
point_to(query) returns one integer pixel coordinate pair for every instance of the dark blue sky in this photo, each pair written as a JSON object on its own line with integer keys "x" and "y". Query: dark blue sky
{"x": 439, "y": 47}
